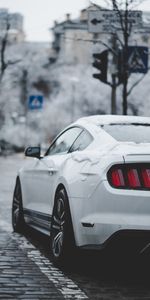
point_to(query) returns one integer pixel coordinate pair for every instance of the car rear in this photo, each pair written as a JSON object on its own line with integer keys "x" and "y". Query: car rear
{"x": 121, "y": 202}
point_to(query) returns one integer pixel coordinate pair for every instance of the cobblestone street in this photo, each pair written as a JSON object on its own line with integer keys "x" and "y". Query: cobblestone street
{"x": 26, "y": 270}
{"x": 20, "y": 277}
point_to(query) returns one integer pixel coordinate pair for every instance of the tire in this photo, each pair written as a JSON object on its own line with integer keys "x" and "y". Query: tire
{"x": 61, "y": 236}
{"x": 18, "y": 223}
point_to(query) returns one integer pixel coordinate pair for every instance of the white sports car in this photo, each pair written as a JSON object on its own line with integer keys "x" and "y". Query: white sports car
{"x": 92, "y": 184}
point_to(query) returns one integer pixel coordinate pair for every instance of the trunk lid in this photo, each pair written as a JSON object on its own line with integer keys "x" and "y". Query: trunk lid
{"x": 133, "y": 152}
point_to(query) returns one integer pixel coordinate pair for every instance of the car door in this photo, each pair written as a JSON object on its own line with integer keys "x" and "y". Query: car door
{"x": 43, "y": 176}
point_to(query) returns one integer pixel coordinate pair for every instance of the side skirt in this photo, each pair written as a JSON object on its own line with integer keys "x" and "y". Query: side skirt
{"x": 38, "y": 220}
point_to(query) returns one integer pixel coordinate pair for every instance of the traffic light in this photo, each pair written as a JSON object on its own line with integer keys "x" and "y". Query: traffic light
{"x": 100, "y": 63}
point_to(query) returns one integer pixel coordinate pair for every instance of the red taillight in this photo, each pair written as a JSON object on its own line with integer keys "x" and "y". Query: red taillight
{"x": 130, "y": 176}
{"x": 117, "y": 178}
{"x": 146, "y": 177}
{"x": 133, "y": 178}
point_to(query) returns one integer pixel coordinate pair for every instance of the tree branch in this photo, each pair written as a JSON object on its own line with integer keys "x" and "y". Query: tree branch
{"x": 135, "y": 84}
{"x": 3, "y": 48}
{"x": 120, "y": 41}
{"x": 4, "y": 40}
{"x": 13, "y": 62}
{"x": 116, "y": 8}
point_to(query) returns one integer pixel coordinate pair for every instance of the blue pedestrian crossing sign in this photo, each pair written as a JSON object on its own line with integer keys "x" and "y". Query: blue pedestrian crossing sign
{"x": 137, "y": 59}
{"x": 35, "y": 102}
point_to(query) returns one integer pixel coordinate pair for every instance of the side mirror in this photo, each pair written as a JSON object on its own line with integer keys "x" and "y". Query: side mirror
{"x": 33, "y": 152}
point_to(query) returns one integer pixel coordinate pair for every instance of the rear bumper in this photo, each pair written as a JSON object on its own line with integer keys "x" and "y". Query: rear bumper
{"x": 124, "y": 241}
{"x": 109, "y": 212}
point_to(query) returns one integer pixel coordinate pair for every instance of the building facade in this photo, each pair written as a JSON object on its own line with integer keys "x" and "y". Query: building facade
{"x": 72, "y": 42}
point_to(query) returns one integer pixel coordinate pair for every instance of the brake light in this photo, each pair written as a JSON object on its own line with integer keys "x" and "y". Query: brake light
{"x": 117, "y": 178}
{"x": 146, "y": 177}
{"x": 133, "y": 178}
{"x": 129, "y": 176}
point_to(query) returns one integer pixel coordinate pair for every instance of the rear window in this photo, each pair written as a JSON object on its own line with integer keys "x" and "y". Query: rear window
{"x": 135, "y": 132}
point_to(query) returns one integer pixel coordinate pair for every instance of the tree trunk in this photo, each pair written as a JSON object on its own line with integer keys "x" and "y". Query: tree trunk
{"x": 113, "y": 95}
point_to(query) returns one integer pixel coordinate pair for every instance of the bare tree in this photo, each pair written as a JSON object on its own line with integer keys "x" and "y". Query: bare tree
{"x": 120, "y": 36}
{"x": 4, "y": 40}
{"x": 123, "y": 9}
{"x": 4, "y": 62}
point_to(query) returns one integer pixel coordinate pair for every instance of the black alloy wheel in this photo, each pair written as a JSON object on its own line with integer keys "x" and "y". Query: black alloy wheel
{"x": 62, "y": 236}
{"x": 18, "y": 223}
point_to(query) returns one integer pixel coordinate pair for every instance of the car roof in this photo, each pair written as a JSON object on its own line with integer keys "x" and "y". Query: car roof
{"x": 113, "y": 119}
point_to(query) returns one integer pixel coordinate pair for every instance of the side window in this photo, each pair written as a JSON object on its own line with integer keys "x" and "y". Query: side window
{"x": 83, "y": 140}
{"x": 63, "y": 143}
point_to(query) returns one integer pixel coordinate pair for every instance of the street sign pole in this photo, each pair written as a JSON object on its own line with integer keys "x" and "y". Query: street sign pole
{"x": 125, "y": 66}
{"x": 114, "y": 75}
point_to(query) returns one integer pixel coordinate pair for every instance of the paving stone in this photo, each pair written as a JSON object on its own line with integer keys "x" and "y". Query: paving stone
{"x": 20, "y": 278}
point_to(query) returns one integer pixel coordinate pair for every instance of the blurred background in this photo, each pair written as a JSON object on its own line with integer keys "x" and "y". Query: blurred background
{"x": 46, "y": 65}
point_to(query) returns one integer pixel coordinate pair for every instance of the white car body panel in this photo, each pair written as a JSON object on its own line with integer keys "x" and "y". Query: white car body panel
{"x": 84, "y": 175}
